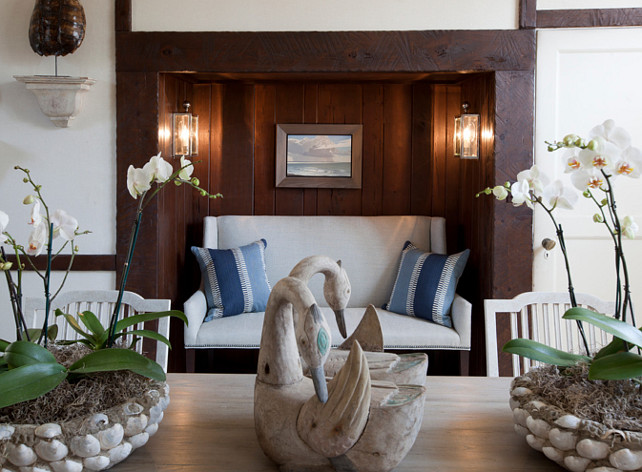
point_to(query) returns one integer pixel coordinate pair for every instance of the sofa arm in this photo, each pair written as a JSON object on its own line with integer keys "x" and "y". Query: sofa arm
{"x": 462, "y": 314}
{"x": 195, "y": 309}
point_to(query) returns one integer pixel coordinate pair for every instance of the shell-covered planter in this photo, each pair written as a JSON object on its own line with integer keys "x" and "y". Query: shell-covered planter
{"x": 93, "y": 442}
{"x": 576, "y": 444}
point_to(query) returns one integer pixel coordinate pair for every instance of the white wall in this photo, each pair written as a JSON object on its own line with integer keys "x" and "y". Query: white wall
{"x": 326, "y": 15}
{"x": 584, "y": 77}
{"x": 75, "y": 165}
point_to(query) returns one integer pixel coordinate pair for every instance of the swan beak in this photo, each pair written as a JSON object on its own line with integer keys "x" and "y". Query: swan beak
{"x": 320, "y": 386}
{"x": 341, "y": 322}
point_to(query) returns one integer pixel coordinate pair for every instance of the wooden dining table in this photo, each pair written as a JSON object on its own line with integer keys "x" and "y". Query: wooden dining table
{"x": 209, "y": 426}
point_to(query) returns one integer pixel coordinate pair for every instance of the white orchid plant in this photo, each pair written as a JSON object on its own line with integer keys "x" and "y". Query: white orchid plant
{"x": 594, "y": 165}
{"x": 27, "y": 369}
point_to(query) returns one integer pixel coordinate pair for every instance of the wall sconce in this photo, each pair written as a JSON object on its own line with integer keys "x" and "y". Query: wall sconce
{"x": 185, "y": 132}
{"x": 467, "y": 134}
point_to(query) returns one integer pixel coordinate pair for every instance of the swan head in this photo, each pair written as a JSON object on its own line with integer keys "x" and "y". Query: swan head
{"x": 336, "y": 290}
{"x": 314, "y": 342}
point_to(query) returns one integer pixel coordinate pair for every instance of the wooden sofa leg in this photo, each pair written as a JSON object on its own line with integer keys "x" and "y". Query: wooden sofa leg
{"x": 464, "y": 363}
{"x": 190, "y": 361}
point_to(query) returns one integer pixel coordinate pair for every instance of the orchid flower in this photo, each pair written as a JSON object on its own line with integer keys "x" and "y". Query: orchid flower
{"x": 65, "y": 225}
{"x": 4, "y": 221}
{"x": 630, "y": 163}
{"x": 138, "y": 181}
{"x": 612, "y": 134}
{"x": 587, "y": 179}
{"x": 36, "y": 217}
{"x": 629, "y": 227}
{"x": 536, "y": 181}
{"x": 520, "y": 191}
{"x": 158, "y": 169}
{"x": 37, "y": 239}
{"x": 500, "y": 192}
{"x": 186, "y": 169}
{"x": 558, "y": 195}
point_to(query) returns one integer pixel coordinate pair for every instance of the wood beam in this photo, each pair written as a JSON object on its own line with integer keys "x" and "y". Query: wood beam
{"x": 84, "y": 262}
{"x": 589, "y": 18}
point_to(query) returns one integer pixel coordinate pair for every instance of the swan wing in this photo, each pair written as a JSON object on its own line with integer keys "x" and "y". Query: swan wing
{"x": 368, "y": 332}
{"x": 333, "y": 427}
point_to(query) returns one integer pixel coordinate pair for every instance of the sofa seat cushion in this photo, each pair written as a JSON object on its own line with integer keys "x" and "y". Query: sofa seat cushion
{"x": 399, "y": 331}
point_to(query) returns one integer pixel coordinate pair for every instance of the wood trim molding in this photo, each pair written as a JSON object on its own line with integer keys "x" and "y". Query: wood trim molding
{"x": 84, "y": 262}
{"x": 589, "y": 18}
{"x": 123, "y": 15}
{"x": 527, "y": 14}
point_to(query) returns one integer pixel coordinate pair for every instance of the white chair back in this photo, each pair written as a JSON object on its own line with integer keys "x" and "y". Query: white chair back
{"x": 102, "y": 304}
{"x": 538, "y": 316}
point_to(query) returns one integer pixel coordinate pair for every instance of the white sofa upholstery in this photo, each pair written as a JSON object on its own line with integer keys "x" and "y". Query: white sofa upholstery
{"x": 369, "y": 248}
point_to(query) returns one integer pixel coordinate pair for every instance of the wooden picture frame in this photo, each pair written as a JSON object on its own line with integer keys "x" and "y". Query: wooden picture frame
{"x": 318, "y": 155}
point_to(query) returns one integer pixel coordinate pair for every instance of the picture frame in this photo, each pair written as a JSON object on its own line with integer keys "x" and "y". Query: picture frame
{"x": 318, "y": 155}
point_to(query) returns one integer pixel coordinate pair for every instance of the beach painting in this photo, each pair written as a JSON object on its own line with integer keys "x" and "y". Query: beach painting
{"x": 311, "y": 155}
{"x": 318, "y": 155}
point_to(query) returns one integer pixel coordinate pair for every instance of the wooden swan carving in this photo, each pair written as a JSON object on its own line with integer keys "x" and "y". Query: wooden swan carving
{"x": 400, "y": 369}
{"x": 349, "y": 424}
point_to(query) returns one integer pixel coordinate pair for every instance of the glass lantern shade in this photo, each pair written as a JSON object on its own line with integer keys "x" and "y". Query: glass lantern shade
{"x": 467, "y": 136}
{"x": 184, "y": 134}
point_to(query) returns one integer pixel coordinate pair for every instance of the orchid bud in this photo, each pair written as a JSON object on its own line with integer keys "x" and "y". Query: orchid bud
{"x": 203, "y": 192}
{"x": 579, "y": 142}
{"x": 592, "y": 145}
{"x": 7, "y": 266}
{"x": 76, "y": 248}
{"x": 551, "y": 148}
{"x": 500, "y": 192}
{"x": 597, "y": 218}
{"x": 25, "y": 180}
{"x": 29, "y": 199}
{"x": 195, "y": 181}
{"x": 586, "y": 193}
{"x": 570, "y": 139}
{"x": 178, "y": 183}
{"x": 604, "y": 201}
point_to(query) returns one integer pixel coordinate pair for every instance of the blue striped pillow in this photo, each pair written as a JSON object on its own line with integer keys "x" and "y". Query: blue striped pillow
{"x": 425, "y": 285}
{"x": 234, "y": 279}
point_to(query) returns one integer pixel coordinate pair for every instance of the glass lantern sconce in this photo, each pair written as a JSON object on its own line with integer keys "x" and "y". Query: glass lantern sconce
{"x": 467, "y": 134}
{"x": 185, "y": 132}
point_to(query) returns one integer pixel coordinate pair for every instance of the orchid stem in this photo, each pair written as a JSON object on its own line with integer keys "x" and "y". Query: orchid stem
{"x": 45, "y": 327}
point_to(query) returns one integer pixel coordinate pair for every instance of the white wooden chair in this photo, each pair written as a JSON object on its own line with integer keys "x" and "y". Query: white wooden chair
{"x": 538, "y": 316}
{"x": 101, "y": 303}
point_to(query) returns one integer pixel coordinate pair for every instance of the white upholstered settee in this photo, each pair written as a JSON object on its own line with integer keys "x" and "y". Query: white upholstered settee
{"x": 369, "y": 248}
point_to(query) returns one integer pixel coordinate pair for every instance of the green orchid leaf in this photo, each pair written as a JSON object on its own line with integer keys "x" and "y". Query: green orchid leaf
{"x": 617, "y": 328}
{"x": 616, "y": 345}
{"x": 92, "y": 323}
{"x": 146, "y": 333}
{"x": 135, "y": 319}
{"x": 619, "y": 366}
{"x": 34, "y": 334}
{"x": 543, "y": 353}
{"x": 21, "y": 353}
{"x": 75, "y": 325}
{"x": 107, "y": 360}
{"x": 52, "y": 332}
{"x": 3, "y": 345}
{"x": 29, "y": 381}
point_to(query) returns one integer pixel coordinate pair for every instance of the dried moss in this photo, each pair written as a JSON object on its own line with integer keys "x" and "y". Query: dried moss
{"x": 615, "y": 403}
{"x": 88, "y": 395}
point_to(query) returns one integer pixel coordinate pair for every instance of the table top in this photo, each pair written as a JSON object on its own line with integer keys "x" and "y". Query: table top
{"x": 209, "y": 425}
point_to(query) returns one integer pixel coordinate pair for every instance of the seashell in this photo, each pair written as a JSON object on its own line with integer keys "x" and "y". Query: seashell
{"x": 51, "y": 450}
{"x": 564, "y": 440}
{"x": 48, "y": 431}
{"x": 568, "y": 421}
{"x": 513, "y": 403}
{"x": 97, "y": 421}
{"x": 156, "y": 414}
{"x": 132, "y": 408}
{"x": 35, "y": 469}
{"x": 139, "y": 440}
{"x": 535, "y": 442}
{"x": 135, "y": 425}
{"x": 6, "y": 431}
{"x": 520, "y": 416}
{"x": 553, "y": 454}
{"x": 96, "y": 462}
{"x": 521, "y": 391}
{"x": 536, "y": 405}
{"x": 153, "y": 395}
{"x": 21, "y": 455}
{"x": 85, "y": 446}
{"x": 166, "y": 389}
{"x": 111, "y": 437}
{"x": 151, "y": 429}
{"x": 576, "y": 464}
{"x": 519, "y": 429}
{"x": 603, "y": 469}
{"x": 164, "y": 402}
{"x": 120, "y": 453}
{"x": 626, "y": 459}
{"x": 538, "y": 427}
{"x": 67, "y": 465}
{"x": 592, "y": 449}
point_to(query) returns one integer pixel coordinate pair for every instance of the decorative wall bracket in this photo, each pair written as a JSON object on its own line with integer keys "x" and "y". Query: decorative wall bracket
{"x": 60, "y": 97}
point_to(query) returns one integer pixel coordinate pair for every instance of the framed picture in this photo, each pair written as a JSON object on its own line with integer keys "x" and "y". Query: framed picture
{"x": 318, "y": 156}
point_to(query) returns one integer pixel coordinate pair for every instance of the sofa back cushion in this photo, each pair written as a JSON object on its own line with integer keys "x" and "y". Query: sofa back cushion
{"x": 368, "y": 246}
